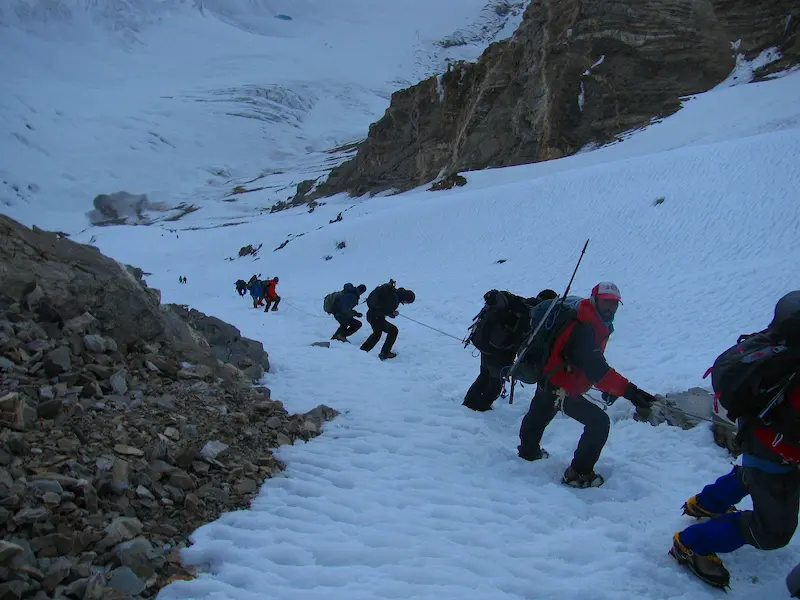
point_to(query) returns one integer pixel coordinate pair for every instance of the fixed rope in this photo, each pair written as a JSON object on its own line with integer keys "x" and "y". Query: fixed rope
{"x": 283, "y": 301}
{"x": 303, "y": 311}
{"x": 693, "y": 416}
{"x": 433, "y": 328}
{"x": 605, "y": 405}
{"x": 460, "y": 340}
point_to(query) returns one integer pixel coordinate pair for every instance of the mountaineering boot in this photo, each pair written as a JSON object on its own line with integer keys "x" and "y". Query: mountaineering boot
{"x": 582, "y": 480}
{"x": 537, "y": 454}
{"x": 340, "y": 338}
{"x": 385, "y": 355}
{"x": 709, "y": 568}
{"x": 274, "y": 308}
{"x": 692, "y": 508}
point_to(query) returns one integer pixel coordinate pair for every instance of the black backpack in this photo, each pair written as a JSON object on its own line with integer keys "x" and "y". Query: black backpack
{"x": 372, "y": 299}
{"x": 750, "y": 377}
{"x": 548, "y": 321}
{"x": 501, "y": 325}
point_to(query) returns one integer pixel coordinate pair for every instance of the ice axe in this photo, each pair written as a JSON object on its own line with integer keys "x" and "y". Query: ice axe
{"x": 558, "y": 306}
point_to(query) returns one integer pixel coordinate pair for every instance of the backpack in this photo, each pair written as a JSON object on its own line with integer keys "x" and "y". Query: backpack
{"x": 750, "y": 377}
{"x": 548, "y": 321}
{"x": 330, "y": 301}
{"x": 372, "y": 299}
{"x": 499, "y": 327}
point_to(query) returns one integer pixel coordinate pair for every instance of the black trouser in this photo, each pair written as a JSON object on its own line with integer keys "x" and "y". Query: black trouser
{"x": 544, "y": 407}
{"x": 486, "y": 388}
{"x": 347, "y": 326}
{"x": 269, "y": 301}
{"x": 380, "y": 326}
{"x": 776, "y": 500}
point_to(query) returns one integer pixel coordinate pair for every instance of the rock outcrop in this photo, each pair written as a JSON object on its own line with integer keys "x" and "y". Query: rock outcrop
{"x": 73, "y": 288}
{"x": 689, "y": 409}
{"x": 226, "y": 342}
{"x": 682, "y": 409}
{"x": 123, "y": 208}
{"x": 574, "y": 73}
{"x": 124, "y": 425}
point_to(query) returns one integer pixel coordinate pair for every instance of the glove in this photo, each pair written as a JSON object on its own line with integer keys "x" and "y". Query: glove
{"x": 394, "y": 314}
{"x": 639, "y": 398}
{"x": 358, "y": 314}
{"x": 609, "y": 398}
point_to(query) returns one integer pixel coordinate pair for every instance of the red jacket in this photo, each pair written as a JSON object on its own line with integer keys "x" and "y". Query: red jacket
{"x": 271, "y": 294}
{"x": 786, "y": 449}
{"x": 576, "y": 359}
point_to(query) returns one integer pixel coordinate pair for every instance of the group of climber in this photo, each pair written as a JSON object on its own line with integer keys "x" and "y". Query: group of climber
{"x": 262, "y": 291}
{"x": 559, "y": 344}
{"x": 382, "y": 303}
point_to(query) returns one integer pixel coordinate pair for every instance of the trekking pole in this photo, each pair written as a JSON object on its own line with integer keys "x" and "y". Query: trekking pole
{"x": 558, "y": 304}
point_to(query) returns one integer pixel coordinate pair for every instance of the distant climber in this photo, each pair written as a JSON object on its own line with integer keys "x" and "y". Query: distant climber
{"x": 241, "y": 287}
{"x": 257, "y": 292}
{"x": 342, "y": 306}
{"x": 497, "y": 332}
{"x": 758, "y": 382}
{"x": 270, "y": 295}
{"x": 383, "y": 302}
{"x": 574, "y": 365}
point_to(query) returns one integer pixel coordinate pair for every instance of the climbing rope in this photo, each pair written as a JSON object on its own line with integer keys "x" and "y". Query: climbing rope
{"x": 433, "y": 328}
{"x": 595, "y": 400}
{"x": 693, "y": 416}
{"x": 604, "y": 405}
{"x": 283, "y": 301}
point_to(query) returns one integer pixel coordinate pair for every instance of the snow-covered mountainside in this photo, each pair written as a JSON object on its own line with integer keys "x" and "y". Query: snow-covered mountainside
{"x": 408, "y": 494}
{"x": 185, "y": 100}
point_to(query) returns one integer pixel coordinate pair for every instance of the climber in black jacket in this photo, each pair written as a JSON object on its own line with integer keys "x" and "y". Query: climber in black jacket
{"x": 383, "y": 302}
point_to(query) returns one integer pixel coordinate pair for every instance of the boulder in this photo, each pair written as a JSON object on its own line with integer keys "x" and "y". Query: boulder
{"x": 226, "y": 342}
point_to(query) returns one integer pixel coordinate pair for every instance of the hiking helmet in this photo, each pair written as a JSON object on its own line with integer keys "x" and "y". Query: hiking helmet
{"x": 406, "y": 296}
{"x": 276, "y": 280}
{"x": 361, "y": 289}
{"x": 607, "y": 291}
{"x": 786, "y": 320}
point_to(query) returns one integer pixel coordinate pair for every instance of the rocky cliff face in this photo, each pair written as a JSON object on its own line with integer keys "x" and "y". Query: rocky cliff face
{"x": 574, "y": 72}
{"x": 124, "y": 424}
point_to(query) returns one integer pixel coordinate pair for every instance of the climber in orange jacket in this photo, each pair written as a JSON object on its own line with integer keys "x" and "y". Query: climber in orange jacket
{"x": 270, "y": 295}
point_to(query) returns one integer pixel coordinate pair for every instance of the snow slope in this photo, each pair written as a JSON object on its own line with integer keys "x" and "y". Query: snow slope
{"x": 410, "y": 495}
{"x": 183, "y": 100}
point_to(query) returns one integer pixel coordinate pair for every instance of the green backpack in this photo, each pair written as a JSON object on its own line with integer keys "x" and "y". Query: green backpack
{"x": 330, "y": 302}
